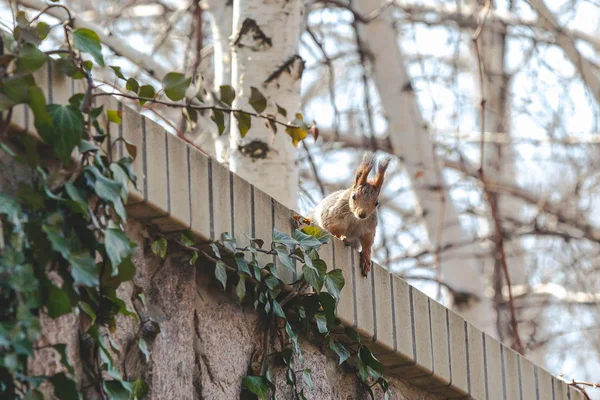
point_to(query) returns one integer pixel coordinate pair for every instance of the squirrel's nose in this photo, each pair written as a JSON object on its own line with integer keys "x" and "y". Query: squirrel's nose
{"x": 363, "y": 215}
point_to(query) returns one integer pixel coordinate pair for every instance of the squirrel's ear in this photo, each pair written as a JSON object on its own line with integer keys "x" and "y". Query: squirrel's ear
{"x": 381, "y": 168}
{"x": 365, "y": 167}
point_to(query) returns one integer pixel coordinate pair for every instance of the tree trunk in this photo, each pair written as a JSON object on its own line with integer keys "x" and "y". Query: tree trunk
{"x": 265, "y": 56}
{"x": 221, "y": 20}
{"x": 410, "y": 139}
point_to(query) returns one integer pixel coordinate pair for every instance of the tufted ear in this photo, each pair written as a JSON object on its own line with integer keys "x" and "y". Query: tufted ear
{"x": 381, "y": 168}
{"x": 363, "y": 170}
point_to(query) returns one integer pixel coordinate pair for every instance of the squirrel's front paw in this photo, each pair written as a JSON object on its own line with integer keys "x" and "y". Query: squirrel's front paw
{"x": 351, "y": 242}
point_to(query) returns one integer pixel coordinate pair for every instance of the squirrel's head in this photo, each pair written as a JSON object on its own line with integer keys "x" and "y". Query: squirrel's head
{"x": 365, "y": 192}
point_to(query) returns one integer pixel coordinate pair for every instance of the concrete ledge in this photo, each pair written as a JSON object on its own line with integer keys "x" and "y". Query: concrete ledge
{"x": 416, "y": 338}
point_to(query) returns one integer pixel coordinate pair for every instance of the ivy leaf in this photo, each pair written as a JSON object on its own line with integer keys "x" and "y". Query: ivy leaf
{"x": 321, "y": 319}
{"x": 115, "y": 390}
{"x": 257, "y": 100}
{"x": 306, "y": 241}
{"x": 215, "y": 250}
{"x": 132, "y": 85}
{"x": 187, "y": 238}
{"x": 110, "y": 191}
{"x": 365, "y": 355}
{"x": 114, "y": 116}
{"x": 242, "y": 264}
{"x": 352, "y": 334}
{"x": 228, "y": 241}
{"x": 118, "y": 72}
{"x": 284, "y": 239}
{"x": 339, "y": 349}
{"x": 322, "y": 235}
{"x": 219, "y": 119}
{"x": 83, "y": 269}
{"x": 61, "y": 348}
{"x": 221, "y": 273}
{"x": 334, "y": 282}
{"x": 86, "y": 308}
{"x": 312, "y": 277}
{"x": 277, "y": 310}
{"x": 283, "y": 254}
{"x": 118, "y": 247}
{"x": 139, "y": 390}
{"x": 143, "y": 346}
{"x": 175, "y": 85}
{"x": 58, "y": 301}
{"x": 41, "y": 30}
{"x": 30, "y": 58}
{"x": 306, "y": 376}
{"x": 227, "y": 94}
{"x": 146, "y": 91}
{"x": 244, "y": 122}
{"x": 15, "y": 87}
{"x": 257, "y": 385}
{"x": 293, "y": 337}
{"x": 65, "y": 135}
{"x": 240, "y": 289}
{"x": 159, "y": 247}
{"x": 64, "y": 387}
{"x": 87, "y": 41}
{"x": 194, "y": 258}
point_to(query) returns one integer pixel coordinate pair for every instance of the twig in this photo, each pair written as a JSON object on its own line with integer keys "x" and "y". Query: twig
{"x": 314, "y": 168}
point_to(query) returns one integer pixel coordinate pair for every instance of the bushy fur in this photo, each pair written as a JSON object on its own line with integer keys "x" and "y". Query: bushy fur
{"x": 351, "y": 214}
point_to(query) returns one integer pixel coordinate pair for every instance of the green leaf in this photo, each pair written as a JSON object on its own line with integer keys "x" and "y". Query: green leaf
{"x": 118, "y": 247}
{"x": 228, "y": 242}
{"x": 68, "y": 127}
{"x": 143, "y": 346}
{"x": 148, "y": 92}
{"x": 83, "y": 269}
{"x": 227, "y": 94}
{"x": 76, "y": 99}
{"x": 242, "y": 264}
{"x": 221, "y": 273}
{"x": 244, "y": 122}
{"x": 58, "y": 302}
{"x": 215, "y": 250}
{"x": 257, "y": 100}
{"x": 65, "y": 65}
{"x": 257, "y": 385}
{"x": 30, "y": 58}
{"x": 115, "y": 390}
{"x": 315, "y": 276}
{"x": 187, "y": 238}
{"x": 306, "y": 241}
{"x": 334, "y": 282}
{"x": 283, "y": 254}
{"x": 86, "y": 308}
{"x": 16, "y": 87}
{"x": 41, "y": 30}
{"x": 218, "y": 118}
{"x": 87, "y": 41}
{"x": 321, "y": 319}
{"x": 277, "y": 310}
{"x": 117, "y": 71}
{"x": 272, "y": 282}
{"x": 64, "y": 387}
{"x": 132, "y": 85}
{"x": 114, "y": 116}
{"x": 61, "y": 348}
{"x": 306, "y": 376}
{"x": 194, "y": 258}
{"x": 240, "y": 289}
{"x": 293, "y": 337}
{"x": 110, "y": 191}
{"x": 339, "y": 349}
{"x": 159, "y": 247}
{"x": 175, "y": 85}
{"x": 139, "y": 390}
{"x": 284, "y": 239}
{"x": 369, "y": 359}
{"x": 281, "y": 111}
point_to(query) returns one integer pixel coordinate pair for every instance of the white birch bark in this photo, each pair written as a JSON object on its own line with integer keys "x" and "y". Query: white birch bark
{"x": 410, "y": 140}
{"x": 265, "y": 56}
{"x": 221, "y": 22}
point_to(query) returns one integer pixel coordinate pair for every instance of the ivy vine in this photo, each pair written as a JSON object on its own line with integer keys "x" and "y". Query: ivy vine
{"x": 289, "y": 310}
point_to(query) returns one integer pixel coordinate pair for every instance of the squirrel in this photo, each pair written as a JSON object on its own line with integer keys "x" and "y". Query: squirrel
{"x": 351, "y": 214}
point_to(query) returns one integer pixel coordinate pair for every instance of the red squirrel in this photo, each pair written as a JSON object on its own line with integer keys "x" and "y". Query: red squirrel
{"x": 351, "y": 214}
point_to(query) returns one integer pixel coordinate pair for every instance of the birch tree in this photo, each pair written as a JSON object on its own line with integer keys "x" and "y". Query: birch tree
{"x": 265, "y": 57}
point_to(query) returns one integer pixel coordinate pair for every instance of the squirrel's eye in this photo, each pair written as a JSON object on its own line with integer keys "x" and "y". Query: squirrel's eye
{"x": 354, "y": 196}
{"x": 376, "y": 203}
